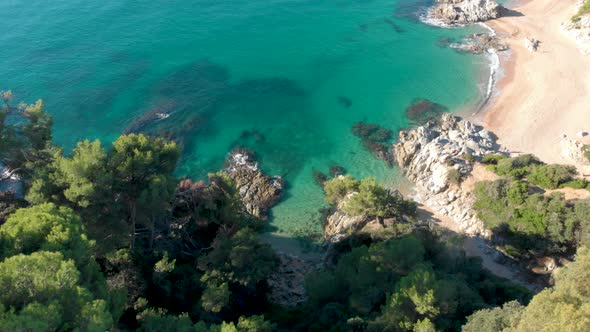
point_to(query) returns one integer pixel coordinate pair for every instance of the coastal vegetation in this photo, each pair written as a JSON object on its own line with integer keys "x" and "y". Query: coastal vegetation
{"x": 563, "y": 307}
{"x": 529, "y": 167}
{"x": 366, "y": 197}
{"x": 529, "y": 223}
{"x": 527, "y": 220}
{"x": 584, "y": 10}
{"x": 107, "y": 238}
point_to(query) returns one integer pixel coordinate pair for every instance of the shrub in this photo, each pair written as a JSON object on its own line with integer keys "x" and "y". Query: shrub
{"x": 576, "y": 184}
{"x": 491, "y": 203}
{"x": 336, "y": 189}
{"x": 531, "y": 223}
{"x": 517, "y": 167}
{"x": 372, "y": 199}
{"x": 584, "y": 9}
{"x": 518, "y": 192}
{"x": 468, "y": 157}
{"x": 551, "y": 176}
{"x": 493, "y": 158}
{"x": 454, "y": 176}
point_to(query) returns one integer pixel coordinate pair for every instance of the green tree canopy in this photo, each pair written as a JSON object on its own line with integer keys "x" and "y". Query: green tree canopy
{"x": 499, "y": 319}
{"x": 242, "y": 259}
{"x": 136, "y": 161}
{"x": 49, "y": 228}
{"x": 24, "y": 129}
{"x": 45, "y": 286}
{"x": 566, "y": 306}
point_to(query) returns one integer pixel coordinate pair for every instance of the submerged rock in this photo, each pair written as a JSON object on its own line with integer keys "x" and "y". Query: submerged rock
{"x": 424, "y": 110}
{"x": 433, "y": 156}
{"x": 393, "y": 25}
{"x": 375, "y": 139}
{"x": 465, "y": 11}
{"x": 259, "y": 192}
{"x": 344, "y": 101}
{"x": 336, "y": 170}
{"x": 481, "y": 43}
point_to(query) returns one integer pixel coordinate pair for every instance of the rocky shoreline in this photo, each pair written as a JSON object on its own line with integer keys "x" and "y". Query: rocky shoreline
{"x": 460, "y": 12}
{"x": 436, "y": 157}
{"x": 440, "y": 158}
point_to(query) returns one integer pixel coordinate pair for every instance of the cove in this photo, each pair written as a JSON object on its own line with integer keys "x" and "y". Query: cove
{"x": 285, "y": 78}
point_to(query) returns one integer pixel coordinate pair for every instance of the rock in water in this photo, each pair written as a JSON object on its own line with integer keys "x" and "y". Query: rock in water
{"x": 431, "y": 153}
{"x": 480, "y": 43}
{"x": 259, "y": 192}
{"x": 465, "y": 11}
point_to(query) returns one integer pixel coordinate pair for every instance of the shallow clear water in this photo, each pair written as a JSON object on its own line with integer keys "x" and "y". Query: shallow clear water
{"x": 275, "y": 68}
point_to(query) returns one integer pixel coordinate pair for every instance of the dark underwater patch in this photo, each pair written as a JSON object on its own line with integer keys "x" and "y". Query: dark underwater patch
{"x": 423, "y": 110}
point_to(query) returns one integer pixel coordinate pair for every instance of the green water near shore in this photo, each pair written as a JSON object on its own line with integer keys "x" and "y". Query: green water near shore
{"x": 278, "y": 69}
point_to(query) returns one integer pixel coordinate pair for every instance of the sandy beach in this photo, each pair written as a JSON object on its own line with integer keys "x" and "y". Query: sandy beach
{"x": 545, "y": 94}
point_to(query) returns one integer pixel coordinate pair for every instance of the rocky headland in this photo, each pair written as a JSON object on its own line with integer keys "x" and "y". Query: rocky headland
{"x": 441, "y": 159}
{"x": 436, "y": 157}
{"x": 453, "y": 12}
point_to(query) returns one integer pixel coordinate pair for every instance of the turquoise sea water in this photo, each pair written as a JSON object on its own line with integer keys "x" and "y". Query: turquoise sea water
{"x": 273, "y": 68}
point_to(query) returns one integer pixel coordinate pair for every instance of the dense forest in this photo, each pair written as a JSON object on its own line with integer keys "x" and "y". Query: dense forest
{"x": 106, "y": 237}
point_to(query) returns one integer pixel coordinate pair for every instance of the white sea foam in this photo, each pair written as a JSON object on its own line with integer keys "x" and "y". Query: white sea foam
{"x": 425, "y": 16}
{"x": 494, "y": 64}
{"x": 492, "y": 55}
{"x": 494, "y": 59}
{"x": 487, "y": 27}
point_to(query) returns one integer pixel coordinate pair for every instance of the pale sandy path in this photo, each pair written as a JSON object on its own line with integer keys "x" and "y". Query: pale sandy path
{"x": 544, "y": 94}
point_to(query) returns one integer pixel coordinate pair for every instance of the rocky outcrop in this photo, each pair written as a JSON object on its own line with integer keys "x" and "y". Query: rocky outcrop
{"x": 481, "y": 43}
{"x": 339, "y": 224}
{"x": 578, "y": 29}
{"x": 573, "y": 151}
{"x": 465, "y": 11}
{"x": 436, "y": 156}
{"x": 287, "y": 282}
{"x": 259, "y": 192}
